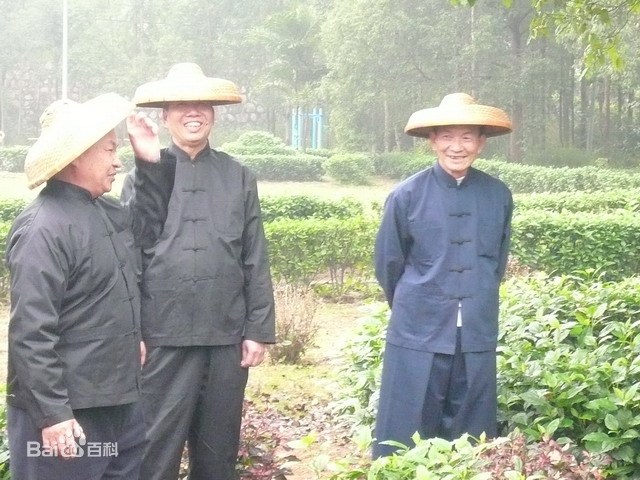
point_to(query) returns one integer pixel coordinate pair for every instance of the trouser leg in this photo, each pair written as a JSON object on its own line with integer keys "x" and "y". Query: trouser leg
{"x": 477, "y": 412}
{"x": 462, "y": 395}
{"x": 215, "y": 431}
{"x": 402, "y": 392}
{"x": 130, "y": 447}
{"x": 104, "y": 428}
{"x": 170, "y": 381}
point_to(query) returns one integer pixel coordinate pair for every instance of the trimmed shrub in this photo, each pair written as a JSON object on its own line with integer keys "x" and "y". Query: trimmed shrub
{"x": 302, "y": 250}
{"x": 580, "y": 201}
{"x": 350, "y": 168}
{"x": 298, "y": 207}
{"x": 125, "y": 154}
{"x": 560, "y": 157}
{"x": 564, "y": 243}
{"x": 10, "y": 208}
{"x": 400, "y": 165}
{"x": 280, "y": 168}
{"x": 534, "y": 179}
{"x": 256, "y": 142}
{"x": 12, "y": 158}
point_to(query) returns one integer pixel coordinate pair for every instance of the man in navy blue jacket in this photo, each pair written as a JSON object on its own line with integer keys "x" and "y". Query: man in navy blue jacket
{"x": 440, "y": 255}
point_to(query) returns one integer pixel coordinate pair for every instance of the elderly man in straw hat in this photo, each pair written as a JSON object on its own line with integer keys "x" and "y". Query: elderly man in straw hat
{"x": 440, "y": 255}
{"x": 75, "y": 349}
{"x": 207, "y": 297}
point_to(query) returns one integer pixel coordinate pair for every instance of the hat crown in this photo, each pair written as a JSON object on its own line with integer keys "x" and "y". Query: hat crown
{"x": 185, "y": 71}
{"x": 55, "y": 111}
{"x": 457, "y": 99}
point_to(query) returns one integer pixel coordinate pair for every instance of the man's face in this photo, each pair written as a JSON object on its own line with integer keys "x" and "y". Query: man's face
{"x": 189, "y": 124}
{"x": 457, "y": 147}
{"x": 97, "y": 167}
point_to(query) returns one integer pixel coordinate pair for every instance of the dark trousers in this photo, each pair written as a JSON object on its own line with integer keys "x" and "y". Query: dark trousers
{"x": 193, "y": 395}
{"x": 113, "y": 449}
{"x": 436, "y": 395}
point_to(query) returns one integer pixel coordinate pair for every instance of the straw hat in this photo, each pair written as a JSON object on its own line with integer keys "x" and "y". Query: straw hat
{"x": 459, "y": 109}
{"x": 68, "y": 130}
{"x": 185, "y": 82}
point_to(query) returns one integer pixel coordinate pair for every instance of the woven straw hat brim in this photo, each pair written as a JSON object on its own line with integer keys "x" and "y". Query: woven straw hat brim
{"x": 214, "y": 90}
{"x": 493, "y": 120}
{"x": 71, "y": 133}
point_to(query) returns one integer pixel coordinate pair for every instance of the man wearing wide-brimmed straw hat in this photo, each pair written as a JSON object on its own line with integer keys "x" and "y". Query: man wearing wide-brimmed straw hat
{"x": 75, "y": 349}
{"x": 440, "y": 255}
{"x": 207, "y": 298}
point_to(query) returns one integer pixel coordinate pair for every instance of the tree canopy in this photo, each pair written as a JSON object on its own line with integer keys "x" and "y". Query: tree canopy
{"x": 367, "y": 64}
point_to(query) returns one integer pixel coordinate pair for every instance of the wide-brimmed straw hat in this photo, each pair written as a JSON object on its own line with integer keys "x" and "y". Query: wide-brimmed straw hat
{"x": 186, "y": 82}
{"x": 68, "y": 130}
{"x": 459, "y": 109}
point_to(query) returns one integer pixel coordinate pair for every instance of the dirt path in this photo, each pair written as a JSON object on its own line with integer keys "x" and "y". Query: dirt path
{"x": 305, "y": 394}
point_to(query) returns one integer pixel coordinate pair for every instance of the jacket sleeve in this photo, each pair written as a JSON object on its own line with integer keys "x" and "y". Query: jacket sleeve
{"x": 39, "y": 269}
{"x": 146, "y": 193}
{"x": 391, "y": 247}
{"x": 258, "y": 288}
{"x": 505, "y": 245}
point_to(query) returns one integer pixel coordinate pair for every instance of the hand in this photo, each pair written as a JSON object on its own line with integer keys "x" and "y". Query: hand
{"x": 252, "y": 353}
{"x": 61, "y": 438}
{"x": 143, "y": 354}
{"x": 143, "y": 135}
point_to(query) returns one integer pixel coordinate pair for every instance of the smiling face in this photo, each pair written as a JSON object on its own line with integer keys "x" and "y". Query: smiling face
{"x": 95, "y": 169}
{"x": 189, "y": 124}
{"x": 457, "y": 147}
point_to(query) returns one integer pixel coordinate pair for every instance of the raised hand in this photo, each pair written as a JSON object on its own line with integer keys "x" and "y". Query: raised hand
{"x": 143, "y": 134}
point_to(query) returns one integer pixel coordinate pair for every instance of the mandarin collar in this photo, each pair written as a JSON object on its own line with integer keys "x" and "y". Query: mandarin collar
{"x": 447, "y": 180}
{"x": 69, "y": 189}
{"x": 182, "y": 155}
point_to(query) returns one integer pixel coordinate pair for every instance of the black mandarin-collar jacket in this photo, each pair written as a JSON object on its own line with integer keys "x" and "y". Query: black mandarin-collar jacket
{"x": 206, "y": 277}
{"x": 74, "y": 329}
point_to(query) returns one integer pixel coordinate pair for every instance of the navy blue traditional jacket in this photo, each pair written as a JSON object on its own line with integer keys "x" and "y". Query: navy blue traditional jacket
{"x": 441, "y": 245}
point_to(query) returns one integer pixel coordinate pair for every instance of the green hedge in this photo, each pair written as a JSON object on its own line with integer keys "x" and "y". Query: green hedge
{"x": 535, "y": 179}
{"x": 569, "y": 242}
{"x": 580, "y": 201}
{"x": 12, "y": 158}
{"x": 285, "y": 168}
{"x": 400, "y": 165}
{"x": 10, "y": 208}
{"x": 301, "y": 251}
{"x": 350, "y": 168}
{"x": 256, "y": 142}
{"x": 298, "y": 207}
